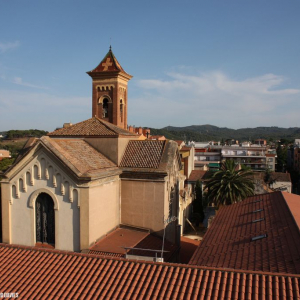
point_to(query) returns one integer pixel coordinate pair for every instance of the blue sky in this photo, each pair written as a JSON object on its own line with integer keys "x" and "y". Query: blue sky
{"x": 231, "y": 63}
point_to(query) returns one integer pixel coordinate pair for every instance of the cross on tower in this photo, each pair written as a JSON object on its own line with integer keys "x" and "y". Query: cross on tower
{"x": 107, "y": 64}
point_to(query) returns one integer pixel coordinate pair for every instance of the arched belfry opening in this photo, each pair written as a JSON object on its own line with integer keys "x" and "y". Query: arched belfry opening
{"x": 121, "y": 110}
{"x": 105, "y": 108}
{"x": 109, "y": 86}
{"x": 45, "y": 219}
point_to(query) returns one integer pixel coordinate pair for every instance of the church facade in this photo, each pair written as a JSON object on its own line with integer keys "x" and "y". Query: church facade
{"x": 72, "y": 187}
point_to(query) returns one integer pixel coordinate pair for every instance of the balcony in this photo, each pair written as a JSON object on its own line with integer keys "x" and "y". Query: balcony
{"x": 251, "y": 161}
{"x": 247, "y": 155}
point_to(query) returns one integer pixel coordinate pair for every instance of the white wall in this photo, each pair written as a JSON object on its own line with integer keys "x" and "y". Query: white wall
{"x": 42, "y": 175}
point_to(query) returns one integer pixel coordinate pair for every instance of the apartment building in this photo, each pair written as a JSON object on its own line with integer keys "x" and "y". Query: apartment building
{"x": 207, "y": 157}
{"x": 257, "y": 157}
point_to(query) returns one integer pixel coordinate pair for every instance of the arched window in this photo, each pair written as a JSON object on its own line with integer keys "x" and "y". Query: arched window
{"x": 45, "y": 223}
{"x": 105, "y": 108}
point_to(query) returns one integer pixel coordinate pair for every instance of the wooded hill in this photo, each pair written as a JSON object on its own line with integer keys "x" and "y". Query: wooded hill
{"x": 200, "y": 133}
{"x": 15, "y": 134}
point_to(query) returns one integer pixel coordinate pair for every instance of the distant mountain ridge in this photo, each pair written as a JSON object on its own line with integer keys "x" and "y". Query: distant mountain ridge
{"x": 213, "y": 133}
{"x": 201, "y": 133}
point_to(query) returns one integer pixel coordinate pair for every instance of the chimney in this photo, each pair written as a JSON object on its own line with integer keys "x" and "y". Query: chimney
{"x": 146, "y": 131}
{"x": 67, "y": 125}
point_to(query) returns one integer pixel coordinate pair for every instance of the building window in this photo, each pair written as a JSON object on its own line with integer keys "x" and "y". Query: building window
{"x": 45, "y": 223}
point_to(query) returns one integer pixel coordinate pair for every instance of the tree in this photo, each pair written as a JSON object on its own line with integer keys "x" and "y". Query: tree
{"x": 5, "y": 163}
{"x": 268, "y": 177}
{"x": 198, "y": 203}
{"x": 281, "y": 158}
{"x": 229, "y": 185}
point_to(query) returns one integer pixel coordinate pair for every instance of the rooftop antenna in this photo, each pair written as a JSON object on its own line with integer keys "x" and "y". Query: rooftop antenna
{"x": 110, "y": 44}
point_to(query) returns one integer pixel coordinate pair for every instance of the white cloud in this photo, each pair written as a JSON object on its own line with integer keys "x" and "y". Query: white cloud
{"x": 181, "y": 100}
{"x": 4, "y": 47}
{"x": 215, "y": 98}
{"x": 19, "y": 81}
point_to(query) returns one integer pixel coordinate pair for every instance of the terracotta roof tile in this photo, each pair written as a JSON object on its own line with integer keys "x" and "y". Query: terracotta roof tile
{"x": 188, "y": 247}
{"x": 143, "y": 154}
{"x": 113, "y": 244}
{"x": 179, "y": 143}
{"x": 108, "y": 254}
{"x": 92, "y": 127}
{"x": 154, "y": 243}
{"x": 80, "y": 154}
{"x": 228, "y": 242}
{"x": 117, "y": 239}
{"x": 197, "y": 175}
{"x": 52, "y": 274}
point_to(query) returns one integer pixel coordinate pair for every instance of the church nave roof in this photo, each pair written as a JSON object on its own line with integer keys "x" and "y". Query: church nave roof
{"x": 82, "y": 158}
{"x": 143, "y": 154}
{"x": 94, "y": 127}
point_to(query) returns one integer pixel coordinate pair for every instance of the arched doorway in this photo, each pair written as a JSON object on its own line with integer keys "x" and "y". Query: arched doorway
{"x": 45, "y": 223}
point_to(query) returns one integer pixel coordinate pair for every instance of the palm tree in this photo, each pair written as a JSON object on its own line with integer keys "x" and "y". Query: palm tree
{"x": 229, "y": 184}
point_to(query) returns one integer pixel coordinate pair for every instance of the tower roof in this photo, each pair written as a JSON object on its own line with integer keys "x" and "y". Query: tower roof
{"x": 108, "y": 64}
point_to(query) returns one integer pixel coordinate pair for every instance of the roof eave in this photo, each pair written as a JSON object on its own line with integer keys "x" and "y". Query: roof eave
{"x": 111, "y": 74}
{"x": 82, "y": 136}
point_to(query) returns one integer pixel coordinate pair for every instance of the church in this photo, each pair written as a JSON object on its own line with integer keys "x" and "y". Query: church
{"x": 72, "y": 188}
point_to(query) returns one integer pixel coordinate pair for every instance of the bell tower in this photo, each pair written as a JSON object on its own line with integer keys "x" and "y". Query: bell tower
{"x": 109, "y": 100}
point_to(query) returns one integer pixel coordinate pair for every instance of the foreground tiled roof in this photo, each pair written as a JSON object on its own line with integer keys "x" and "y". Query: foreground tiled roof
{"x": 187, "y": 248}
{"x": 50, "y": 274}
{"x": 143, "y": 154}
{"x": 79, "y": 155}
{"x": 228, "y": 242}
{"x": 94, "y": 127}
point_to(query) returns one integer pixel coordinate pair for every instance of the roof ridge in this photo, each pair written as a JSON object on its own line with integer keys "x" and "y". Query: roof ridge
{"x": 108, "y": 125}
{"x": 92, "y": 127}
